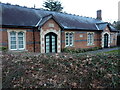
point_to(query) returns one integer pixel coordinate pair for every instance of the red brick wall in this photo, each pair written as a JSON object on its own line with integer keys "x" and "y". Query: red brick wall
{"x": 114, "y": 43}
{"x": 82, "y": 44}
{"x": 29, "y": 39}
{"x": 46, "y": 25}
{"x": 37, "y": 40}
{"x": 3, "y": 37}
{"x": 77, "y": 38}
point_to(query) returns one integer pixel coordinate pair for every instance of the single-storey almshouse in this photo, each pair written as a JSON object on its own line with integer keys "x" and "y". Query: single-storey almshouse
{"x": 38, "y": 30}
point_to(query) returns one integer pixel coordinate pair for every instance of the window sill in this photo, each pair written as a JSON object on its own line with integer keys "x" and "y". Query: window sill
{"x": 69, "y": 46}
{"x": 22, "y": 50}
{"x": 90, "y": 44}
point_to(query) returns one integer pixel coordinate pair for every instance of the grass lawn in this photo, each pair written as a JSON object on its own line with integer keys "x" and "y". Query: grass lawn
{"x": 113, "y": 51}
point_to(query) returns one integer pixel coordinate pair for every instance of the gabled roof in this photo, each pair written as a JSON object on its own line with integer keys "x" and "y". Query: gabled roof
{"x": 21, "y": 16}
{"x": 102, "y": 26}
{"x": 45, "y": 19}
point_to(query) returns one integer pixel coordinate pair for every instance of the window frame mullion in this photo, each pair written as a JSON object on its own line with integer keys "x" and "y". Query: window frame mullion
{"x": 17, "y": 40}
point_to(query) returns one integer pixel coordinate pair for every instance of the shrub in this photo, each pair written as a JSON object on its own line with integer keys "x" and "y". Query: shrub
{"x": 79, "y": 50}
{"x": 61, "y": 71}
{"x": 3, "y": 48}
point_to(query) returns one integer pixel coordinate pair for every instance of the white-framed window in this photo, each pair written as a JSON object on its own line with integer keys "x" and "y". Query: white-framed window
{"x": 21, "y": 40}
{"x": 90, "y": 38}
{"x": 13, "y": 43}
{"x": 111, "y": 38}
{"x": 16, "y": 40}
{"x": 69, "y": 38}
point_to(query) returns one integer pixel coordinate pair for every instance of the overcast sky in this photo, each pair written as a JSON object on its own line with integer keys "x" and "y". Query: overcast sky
{"x": 79, "y": 7}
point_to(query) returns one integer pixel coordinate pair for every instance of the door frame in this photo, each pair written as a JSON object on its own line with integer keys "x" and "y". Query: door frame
{"x": 102, "y": 39}
{"x": 106, "y": 37}
{"x": 50, "y": 34}
{"x": 42, "y": 40}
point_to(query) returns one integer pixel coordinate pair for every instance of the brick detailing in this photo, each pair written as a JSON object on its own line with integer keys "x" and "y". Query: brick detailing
{"x": 105, "y": 31}
{"x": 46, "y": 29}
{"x": 80, "y": 37}
{"x": 3, "y": 29}
{"x": 3, "y": 44}
{"x": 81, "y": 42}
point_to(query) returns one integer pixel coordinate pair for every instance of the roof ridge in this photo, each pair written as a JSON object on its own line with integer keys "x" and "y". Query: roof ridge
{"x": 46, "y": 10}
{"x": 76, "y": 15}
{"x": 47, "y": 15}
{"x": 21, "y": 6}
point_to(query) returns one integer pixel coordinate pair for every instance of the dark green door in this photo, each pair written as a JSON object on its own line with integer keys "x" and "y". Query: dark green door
{"x": 51, "y": 43}
{"x": 105, "y": 40}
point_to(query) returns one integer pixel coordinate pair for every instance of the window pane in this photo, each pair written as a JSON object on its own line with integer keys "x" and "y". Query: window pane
{"x": 67, "y": 39}
{"x": 53, "y": 40}
{"x": 53, "y": 50}
{"x": 13, "y": 46}
{"x": 47, "y": 37}
{"x": 71, "y": 38}
{"x": 12, "y": 40}
{"x": 53, "y": 37}
{"x": 47, "y": 51}
{"x": 53, "y": 43}
{"x": 21, "y": 46}
{"x": 20, "y": 40}
{"x": 47, "y": 47}
{"x": 12, "y": 34}
{"x": 90, "y": 38}
{"x": 47, "y": 40}
{"x": 20, "y": 34}
{"x": 47, "y": 44}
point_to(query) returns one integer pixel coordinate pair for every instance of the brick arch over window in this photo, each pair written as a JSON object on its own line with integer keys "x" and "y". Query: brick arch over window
{"x": 42, "y": 37}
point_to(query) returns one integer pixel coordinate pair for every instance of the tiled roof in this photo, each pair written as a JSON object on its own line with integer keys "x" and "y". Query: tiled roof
{"x": 22, "y": 16}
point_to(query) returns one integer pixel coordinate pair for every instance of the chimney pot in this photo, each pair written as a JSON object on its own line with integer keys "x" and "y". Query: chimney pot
{"x": 99, "y": 14}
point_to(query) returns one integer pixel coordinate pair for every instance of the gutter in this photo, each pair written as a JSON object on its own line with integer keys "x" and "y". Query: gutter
{"x": 15, "y": 26}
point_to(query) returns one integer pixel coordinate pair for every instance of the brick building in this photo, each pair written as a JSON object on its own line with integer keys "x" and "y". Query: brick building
{"x": 37, "y": 30}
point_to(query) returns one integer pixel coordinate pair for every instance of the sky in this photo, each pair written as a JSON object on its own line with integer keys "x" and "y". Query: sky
{"x": 86, "y": 8}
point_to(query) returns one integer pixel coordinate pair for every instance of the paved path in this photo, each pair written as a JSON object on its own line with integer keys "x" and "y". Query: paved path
{"x": 104, "y": 50}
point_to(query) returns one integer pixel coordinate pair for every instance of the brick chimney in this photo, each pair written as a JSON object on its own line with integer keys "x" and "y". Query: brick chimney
{"x": 99, "y": 14}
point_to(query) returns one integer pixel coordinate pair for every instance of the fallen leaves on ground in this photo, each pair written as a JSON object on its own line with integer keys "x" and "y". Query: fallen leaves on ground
{"x": 60, "y": 70}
